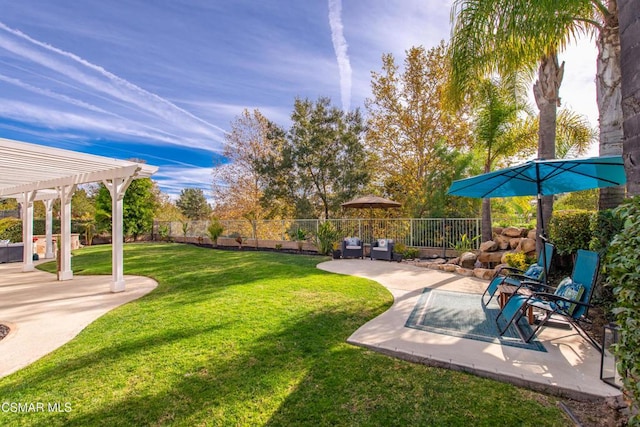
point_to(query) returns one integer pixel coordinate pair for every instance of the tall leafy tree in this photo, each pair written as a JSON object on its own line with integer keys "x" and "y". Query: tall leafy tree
{"x": 166, "y": 209}
{"x": 238, "y": 185}
{"x": 139, "y": 205}
{"x": 322, "y": 162}
{"x": 408, "y": 130}
{"x": 193, "y": 204}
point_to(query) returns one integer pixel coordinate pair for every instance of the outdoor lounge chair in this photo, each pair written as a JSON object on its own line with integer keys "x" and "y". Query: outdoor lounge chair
{"x": 570, "y": 301}
{"x": 382, "y": 249}
{"x": 352, "y": 247}
{"x": 536, "y": 273}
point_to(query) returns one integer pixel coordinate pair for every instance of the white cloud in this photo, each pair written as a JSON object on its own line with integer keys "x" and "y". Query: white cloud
{"x": 81, "y": 76}
{"x": 340, "y": 47}
{"x": 174, "y": 179}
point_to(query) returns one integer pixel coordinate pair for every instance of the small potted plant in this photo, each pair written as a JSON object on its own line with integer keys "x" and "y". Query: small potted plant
{"x": 337, "y": 253}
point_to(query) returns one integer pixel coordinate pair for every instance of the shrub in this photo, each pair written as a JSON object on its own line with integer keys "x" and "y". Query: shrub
{"x": 11, "y": 228}
{"x": 326, "y": 236}
{"x": 411, "y": 253}
{"x": 622, "y": 265}
{"x": 465, "y": 244}
{"x": 405, "y": 251}
{"x": 569, "y": 231}
{"x": 604, "y": 226}
{"x": 215, "y": 230}
{"x": 163, "y": 231}
{"x": 518, "y": 260}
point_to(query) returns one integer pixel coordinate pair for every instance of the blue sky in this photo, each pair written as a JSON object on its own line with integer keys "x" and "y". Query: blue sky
{"x": 162, "y": 80}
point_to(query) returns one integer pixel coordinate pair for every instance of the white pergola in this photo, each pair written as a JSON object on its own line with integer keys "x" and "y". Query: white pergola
{"x": 30, "y": 172}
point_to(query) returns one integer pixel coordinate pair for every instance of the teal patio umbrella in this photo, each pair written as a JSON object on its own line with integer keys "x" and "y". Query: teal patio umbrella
{"x": 544, "y": 178}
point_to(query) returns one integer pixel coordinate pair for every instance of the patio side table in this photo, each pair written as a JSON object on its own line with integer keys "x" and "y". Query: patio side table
{"x": 506, "y": 291}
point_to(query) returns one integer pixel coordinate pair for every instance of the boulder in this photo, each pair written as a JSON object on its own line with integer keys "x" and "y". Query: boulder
{"x": 526, "y": 245}
{"x": 503, "y": 242}
{"x": 468, "y": 260}
{"x": 437, "y": 261}
{"x": 488, "y": 246}
{"x": 512, "y": 232}
{"x": 490, "y": 257}
{"x": 465, "y": 271}
{"x": 497, "y": 231}
{"x": 455, "y": 261}
{"x": 483, "y": 273}
{"x": 531, "y": 234}
{"x": 513, "y": 243}
{"x": 448, "y": 267}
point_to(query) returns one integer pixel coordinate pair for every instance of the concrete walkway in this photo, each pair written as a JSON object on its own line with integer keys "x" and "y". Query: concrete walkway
{"x": 43, "y": 313}
{"x": 570, "y": 367}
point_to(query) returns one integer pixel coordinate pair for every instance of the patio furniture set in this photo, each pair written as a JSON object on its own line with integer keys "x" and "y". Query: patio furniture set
{"x": 354, "y": 247}
{"x": 521, "y": 294}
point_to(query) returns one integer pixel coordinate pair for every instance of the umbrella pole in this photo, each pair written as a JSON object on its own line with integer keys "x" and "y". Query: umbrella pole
{"x": 541, "y": 239}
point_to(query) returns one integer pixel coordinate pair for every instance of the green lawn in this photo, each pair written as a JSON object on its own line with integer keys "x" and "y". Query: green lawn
{"x": 248, "y": 338}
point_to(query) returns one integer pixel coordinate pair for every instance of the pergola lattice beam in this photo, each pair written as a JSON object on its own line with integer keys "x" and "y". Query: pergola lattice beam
{"x": 29, "y": 167}
{"x": 31, "y": 172}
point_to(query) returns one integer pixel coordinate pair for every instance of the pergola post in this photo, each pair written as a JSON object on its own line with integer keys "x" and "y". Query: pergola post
{"x": 65, "y": 193}
{"x": 53, "y": 172}
{"x": 48, "y": 204}
{"x": 27, "y": 230}
{"x": 117, "y": 187}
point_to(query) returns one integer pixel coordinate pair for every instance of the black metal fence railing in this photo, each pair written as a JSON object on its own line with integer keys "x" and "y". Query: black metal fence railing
{"x": 414, "y": 232}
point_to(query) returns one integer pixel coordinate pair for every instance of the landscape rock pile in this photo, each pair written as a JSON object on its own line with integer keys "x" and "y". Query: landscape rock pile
{"x": 491, "y": 254}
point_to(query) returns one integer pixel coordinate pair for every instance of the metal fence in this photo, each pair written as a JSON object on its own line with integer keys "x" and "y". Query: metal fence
{"x": 415, "y": 232}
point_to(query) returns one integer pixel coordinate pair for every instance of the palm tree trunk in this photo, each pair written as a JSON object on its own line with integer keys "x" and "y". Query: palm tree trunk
{"x": 628, "y": 13}
{"x": 609, "y": 98}
{"x": 487, "y": 229}
{"x": 546, "y": 92}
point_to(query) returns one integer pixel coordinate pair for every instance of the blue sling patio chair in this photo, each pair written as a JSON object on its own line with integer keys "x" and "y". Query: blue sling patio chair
{"x": 570, "y": 301}
{"x": 536, "y": 273}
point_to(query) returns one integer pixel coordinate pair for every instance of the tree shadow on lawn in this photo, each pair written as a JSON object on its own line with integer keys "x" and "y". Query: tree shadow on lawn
{"x": 190, "y": 273}
{"x": 207, "y": 367}
{"x": 304, "y": 373}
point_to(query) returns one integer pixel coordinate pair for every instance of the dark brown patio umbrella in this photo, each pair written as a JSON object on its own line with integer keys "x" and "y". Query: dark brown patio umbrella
{"x": 371, "y": 202}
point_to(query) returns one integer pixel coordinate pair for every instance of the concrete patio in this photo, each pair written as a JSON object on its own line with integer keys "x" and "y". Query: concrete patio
{"x": 570, "y": 367}
{"x": 44, "y": 313}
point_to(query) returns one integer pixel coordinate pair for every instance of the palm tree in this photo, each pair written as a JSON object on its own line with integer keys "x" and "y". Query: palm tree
{"x": 608, "y": 89}
{"x": 500, "y": 129}
{"x": 629, "y": 29}
{"x": 574, "y": 135}
{"x": 505, "y": 128}
{"x": 513, "y": 36}
{"x": 557, "y": 21}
